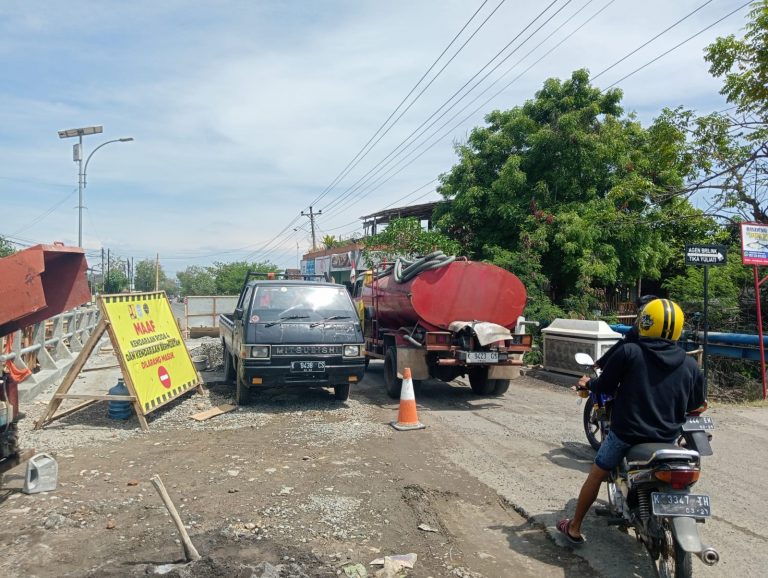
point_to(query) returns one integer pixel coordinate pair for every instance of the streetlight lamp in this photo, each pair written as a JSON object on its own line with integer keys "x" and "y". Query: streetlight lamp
{"x": 77, "y": 156}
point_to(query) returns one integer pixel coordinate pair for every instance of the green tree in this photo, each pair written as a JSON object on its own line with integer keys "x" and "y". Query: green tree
{"x": 329, "y": 241}
{"x": 228, "y": 277}
{"x": 6, "y": 247}
{"x": 406, "y": 238}
{"x": 196, "y": 280}
{"x": 570, "y": 194}
{"x": 145, "y": 274}
{"x": 115, "y": 277}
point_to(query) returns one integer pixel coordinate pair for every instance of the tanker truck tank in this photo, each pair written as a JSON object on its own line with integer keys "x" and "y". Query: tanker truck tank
{"x": 459, "y": 291}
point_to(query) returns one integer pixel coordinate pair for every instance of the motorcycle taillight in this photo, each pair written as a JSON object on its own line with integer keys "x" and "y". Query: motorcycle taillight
{"x": 677, "y": 479}
{"x": 699, "y": 410}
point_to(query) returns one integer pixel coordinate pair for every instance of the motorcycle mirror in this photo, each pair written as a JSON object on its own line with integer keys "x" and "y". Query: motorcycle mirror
{"x": 584, "y": 359}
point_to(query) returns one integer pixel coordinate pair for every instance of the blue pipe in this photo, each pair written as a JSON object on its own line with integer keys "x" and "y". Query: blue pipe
{"x": 735, "y": 345}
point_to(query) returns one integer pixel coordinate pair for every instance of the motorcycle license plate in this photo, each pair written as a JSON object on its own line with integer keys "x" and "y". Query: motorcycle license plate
{"x": 693, "y": 505}
{"x": 698, "y": 423}
{"x": 482, "y": 357}
{"x": 307, "y": 366}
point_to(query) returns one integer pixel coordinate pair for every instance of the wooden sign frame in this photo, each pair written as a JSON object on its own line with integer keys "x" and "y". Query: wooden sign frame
{"x": 62, "y": 392}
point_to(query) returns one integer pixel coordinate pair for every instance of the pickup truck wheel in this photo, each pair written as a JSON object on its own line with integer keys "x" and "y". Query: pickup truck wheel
{"x": 341, "y": 391}
{"x": 502, "y": 385}
{"x": 478, "y": 380}
{"x": 241, "y": 390}
{"x": 229, "y": 367}
{"x": 391, "y": 381}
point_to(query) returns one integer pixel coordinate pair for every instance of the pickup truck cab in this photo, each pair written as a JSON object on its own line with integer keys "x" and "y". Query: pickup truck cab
{"x": 289, "y": 332}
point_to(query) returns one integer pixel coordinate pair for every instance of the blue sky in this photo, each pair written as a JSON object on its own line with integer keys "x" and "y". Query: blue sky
{"x": 243, "y": 112}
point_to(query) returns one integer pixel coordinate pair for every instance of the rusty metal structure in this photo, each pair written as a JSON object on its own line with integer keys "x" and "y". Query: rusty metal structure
{"x": 36, "y": 284}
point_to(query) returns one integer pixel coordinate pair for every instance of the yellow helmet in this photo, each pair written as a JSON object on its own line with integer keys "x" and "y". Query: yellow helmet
{"x": 661, "y": 318}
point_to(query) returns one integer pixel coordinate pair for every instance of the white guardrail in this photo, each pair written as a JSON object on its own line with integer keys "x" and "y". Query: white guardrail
{"x": 56, "y": 343}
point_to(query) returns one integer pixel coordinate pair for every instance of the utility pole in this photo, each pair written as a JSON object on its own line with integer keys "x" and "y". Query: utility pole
{"x": 157, "y": 271}
{"x": 102, "y": 269}
{"x": 312, "y": 216}
{"x": 108, "y": 268}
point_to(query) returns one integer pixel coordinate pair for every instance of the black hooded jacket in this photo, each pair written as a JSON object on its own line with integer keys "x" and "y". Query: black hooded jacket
{"x": 655, "y": 384}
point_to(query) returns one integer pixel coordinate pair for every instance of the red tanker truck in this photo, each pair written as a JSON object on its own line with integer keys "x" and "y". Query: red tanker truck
{"x": 443, "y": 318}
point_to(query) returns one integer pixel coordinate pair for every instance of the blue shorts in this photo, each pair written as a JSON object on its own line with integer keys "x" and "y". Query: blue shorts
{"x": 611, "y": 452}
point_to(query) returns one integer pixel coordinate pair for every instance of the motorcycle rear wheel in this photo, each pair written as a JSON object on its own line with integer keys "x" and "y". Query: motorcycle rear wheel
{"x": 592, "y": 424}
{"x": 671, "y": 560}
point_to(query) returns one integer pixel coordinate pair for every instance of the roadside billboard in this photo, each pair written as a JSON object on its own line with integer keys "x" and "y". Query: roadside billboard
{"x": 754, "y": 244}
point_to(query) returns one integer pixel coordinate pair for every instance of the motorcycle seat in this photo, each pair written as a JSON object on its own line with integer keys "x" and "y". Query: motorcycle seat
{"x": 643, "y": 454}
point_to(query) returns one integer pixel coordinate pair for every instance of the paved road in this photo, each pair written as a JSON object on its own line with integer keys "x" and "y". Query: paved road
{"x": 529, "y": 447}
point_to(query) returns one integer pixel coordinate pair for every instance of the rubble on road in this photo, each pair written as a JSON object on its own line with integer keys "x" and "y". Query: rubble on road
{"x": 209, "y": 347}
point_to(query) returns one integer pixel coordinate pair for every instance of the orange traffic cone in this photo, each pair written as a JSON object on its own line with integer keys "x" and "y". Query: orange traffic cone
{"x": 407, "y": 418}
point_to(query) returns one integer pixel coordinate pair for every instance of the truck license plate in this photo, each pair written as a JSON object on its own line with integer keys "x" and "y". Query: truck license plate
{"x": 308, "y": 366}
{"x": 482, "y": 357}
{"x": 693, "y": 505}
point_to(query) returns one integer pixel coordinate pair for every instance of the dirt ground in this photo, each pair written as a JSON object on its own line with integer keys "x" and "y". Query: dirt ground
{"x": 300, "y": 484}
{"x": 296, "y": 484}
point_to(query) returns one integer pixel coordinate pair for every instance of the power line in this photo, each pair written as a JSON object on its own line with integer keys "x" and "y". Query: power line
{"x": 335, "y": 203}
{"x": 349, "y": 169}
{"x": 45, "y": 214}
{"x": 357, "y": 184}
{"x": 599, "y": 74}
{"x": 676, "y": 46}
{"x": 357, "y": 158}
{"x": 361, "y": 192}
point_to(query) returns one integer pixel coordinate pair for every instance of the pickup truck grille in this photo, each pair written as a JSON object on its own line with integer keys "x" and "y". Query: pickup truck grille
{"x": 292, "y": 350}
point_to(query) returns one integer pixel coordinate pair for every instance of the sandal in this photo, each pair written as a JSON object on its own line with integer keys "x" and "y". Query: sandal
{"x": 564, "y": 526}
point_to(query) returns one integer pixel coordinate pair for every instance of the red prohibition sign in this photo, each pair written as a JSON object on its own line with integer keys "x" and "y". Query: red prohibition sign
{"x": 165, "y": 379}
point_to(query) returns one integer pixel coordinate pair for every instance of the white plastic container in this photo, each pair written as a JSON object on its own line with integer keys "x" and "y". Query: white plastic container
{"x": 42, "y": 474}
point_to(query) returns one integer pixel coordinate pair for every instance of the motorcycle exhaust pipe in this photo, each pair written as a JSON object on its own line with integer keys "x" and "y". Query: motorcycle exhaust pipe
{"x": 709, "y": 556}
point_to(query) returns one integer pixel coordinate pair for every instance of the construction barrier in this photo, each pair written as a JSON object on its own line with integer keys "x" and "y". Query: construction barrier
{"x": 154, "y": 361}
{"x": 201, "y": 313}
{"x": 52, "y": 346}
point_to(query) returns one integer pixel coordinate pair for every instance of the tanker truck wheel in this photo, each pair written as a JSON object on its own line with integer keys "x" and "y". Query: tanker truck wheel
{"x": 478, "y": 380}
{"x": 502, "y": 385}
{"x": 391, "y": 381}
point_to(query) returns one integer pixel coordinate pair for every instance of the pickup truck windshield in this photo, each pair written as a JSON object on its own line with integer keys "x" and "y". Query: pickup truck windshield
{"x": 299, "y": 302}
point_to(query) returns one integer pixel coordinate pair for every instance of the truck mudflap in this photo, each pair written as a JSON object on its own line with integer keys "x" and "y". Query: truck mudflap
{"x": 413, "y": 359}
{"x": 503, "y": 371}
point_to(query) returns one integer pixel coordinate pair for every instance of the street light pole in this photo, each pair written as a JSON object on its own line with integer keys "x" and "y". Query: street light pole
{"x": 77, "y": 156}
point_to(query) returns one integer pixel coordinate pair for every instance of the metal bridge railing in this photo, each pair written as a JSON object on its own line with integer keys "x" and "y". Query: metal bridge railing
{"x": 56, "y": 343}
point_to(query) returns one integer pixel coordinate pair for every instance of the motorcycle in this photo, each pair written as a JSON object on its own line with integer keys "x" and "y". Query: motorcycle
{"x": 650, "y": 493}
{"x": 597, "y": 408}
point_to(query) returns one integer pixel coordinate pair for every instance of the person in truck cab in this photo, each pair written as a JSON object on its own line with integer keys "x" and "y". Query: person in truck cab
{"x": 654, "y": 384}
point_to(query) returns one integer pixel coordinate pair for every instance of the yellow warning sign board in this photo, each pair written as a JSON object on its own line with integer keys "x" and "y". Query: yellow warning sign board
{"x": 149, "y": 346}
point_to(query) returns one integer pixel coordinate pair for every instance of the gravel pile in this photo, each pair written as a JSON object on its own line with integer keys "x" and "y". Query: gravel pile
{"x": 209, "y": 347}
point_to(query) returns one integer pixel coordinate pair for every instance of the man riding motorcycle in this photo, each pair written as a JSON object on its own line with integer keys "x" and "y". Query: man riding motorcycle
{"x": 654, "y": 384}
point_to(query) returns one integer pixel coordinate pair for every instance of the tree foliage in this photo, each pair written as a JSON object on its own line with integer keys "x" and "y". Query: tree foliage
{"x": 228, "y": 277}
{"x": 406, "y": 238}
{"x": 196, "y": 280}
{"x": 145, "y": 274}
{"x": 6, "y": 247}
{"x": 570, "y": 194}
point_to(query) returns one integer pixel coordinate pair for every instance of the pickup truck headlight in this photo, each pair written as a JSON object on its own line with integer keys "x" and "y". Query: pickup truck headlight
{"x": 351, "y": 351}
{"x": 260, "y": 351}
